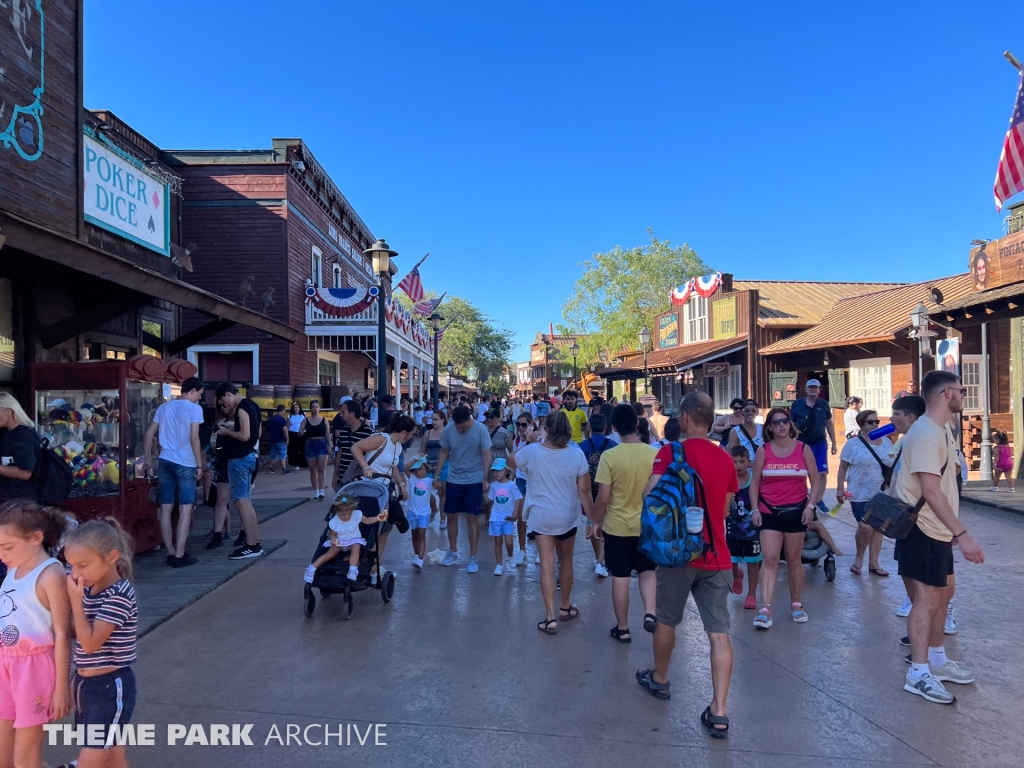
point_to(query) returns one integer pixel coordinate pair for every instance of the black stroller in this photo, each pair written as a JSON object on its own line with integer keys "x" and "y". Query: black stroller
{"x": 332, "y": 577}
{"x": 813, "y": 551}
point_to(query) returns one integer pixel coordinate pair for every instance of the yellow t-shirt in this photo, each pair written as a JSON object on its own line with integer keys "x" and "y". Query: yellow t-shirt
{"x": 928, "y": 446}
{"x": 577, "y": 419}
{"x": 626, "y": 468}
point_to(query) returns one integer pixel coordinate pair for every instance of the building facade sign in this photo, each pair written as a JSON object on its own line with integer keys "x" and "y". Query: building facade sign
{"x": 668, "y": 330}
{"x": 716, "y": 369}
{"x": 723, "y": 313}
{"x": 122, "y": 197}
{"x": 998, "y": 262}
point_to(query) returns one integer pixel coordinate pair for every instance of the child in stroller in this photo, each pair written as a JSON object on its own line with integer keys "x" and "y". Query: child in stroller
{"x": 345, "y": 535}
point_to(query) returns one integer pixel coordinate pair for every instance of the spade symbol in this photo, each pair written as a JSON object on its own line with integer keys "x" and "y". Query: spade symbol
{"x": 152, "y": 226}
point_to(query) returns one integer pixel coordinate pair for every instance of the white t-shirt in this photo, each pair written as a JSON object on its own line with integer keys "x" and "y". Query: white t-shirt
{"x": 504, "y": 496}
{"x": 552, "y": 501}
{"x": 347, "y": 533}
{"x": 295, "y": 422}
{"x": 176, "y": 418}
{"x": 419, "y": 496}
{"x": 417, "y": 417}
{"x": 850, "y": 420}
{"x": 516, "y": 410}
{"x": 864, "y": 477}
{"x": 481, "y": 409}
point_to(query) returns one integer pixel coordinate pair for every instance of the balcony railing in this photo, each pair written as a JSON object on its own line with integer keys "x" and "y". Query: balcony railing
{"x": 367, "y": 317}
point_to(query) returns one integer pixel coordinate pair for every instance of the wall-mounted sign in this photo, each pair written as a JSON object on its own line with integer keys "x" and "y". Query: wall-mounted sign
{"x": 716, "y": 369}
{"x": 723, "y": 314}
{"x": 537, "y": 354}
{"x": 947, "y": 355}
{"x": 668, "y": 330}
{"x": 121, "y": 196}
{"x": 998, "y": 262}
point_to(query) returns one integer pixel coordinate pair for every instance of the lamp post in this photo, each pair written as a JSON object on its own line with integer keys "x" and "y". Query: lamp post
{"x": 574, "y": 350}
{"x": 380, "y": 256}
{"x": 645, "y": 339}
{"x": 435, "y": 323}
{"x": 450, "y": 368}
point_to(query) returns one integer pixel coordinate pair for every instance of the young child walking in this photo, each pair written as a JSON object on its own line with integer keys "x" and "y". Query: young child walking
{"x": 420, "y": 507}
{"x": 35, "y": 631}
{"x": 1003, "y": 463}
{"x": 506, "y": 510}
{"x": 740, "y": 533}
{"x": 106, "y": 618}
{"x": 345, "y": 536}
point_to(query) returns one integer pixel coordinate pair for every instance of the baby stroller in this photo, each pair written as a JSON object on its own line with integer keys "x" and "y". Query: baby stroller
{"x": 332, "y": 577}
{"x": 814, "y": 550}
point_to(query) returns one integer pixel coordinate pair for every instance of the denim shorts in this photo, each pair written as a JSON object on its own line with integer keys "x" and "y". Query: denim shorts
{"x": 859, "y": 508}
{"x": 521, "y": 485}
{"x": 501, "y": 528}
{"x": 316, "y": 446}
{"x": 278, "y": 451}
{"x": 240, "y": 476}
{"x": 418, "y": 521}
{"x": 175, "y": 479}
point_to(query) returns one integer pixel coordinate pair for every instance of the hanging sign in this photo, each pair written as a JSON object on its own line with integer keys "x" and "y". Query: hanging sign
{"x": 716, "y": 369}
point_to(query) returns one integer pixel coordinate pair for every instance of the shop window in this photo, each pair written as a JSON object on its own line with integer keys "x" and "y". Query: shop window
{"x": 696, "y": 319}
{"x": 317, "y": 267}
{"x": 337, "y": 275}
{"x": 152, "y": 338}
{"x": 725, "y": 389}
{"x": 970, "y": 375}
{"x": 6, "y": 331}
{"x": 871, "y": 381}
{"x": 116, "y": 354}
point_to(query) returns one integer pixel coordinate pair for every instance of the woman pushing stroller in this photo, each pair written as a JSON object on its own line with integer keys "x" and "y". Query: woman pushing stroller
{"x": 345, "y": 535}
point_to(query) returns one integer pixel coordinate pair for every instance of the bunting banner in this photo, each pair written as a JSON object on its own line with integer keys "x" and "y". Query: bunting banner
{"x": 341, "y": 302}
{"x": 681, "y": 295}
{"x": 707, "y": 285}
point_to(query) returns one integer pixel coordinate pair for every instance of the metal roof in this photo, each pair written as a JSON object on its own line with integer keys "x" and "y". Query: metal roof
{"x": 871, "y": 317}
{"x": 675, "y": 358}
{"x": 977, "y": 298}
{"x": 801, "y": 304}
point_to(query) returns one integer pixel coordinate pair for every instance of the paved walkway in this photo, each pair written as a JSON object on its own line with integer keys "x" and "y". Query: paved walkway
{"x": 460, "y": 676}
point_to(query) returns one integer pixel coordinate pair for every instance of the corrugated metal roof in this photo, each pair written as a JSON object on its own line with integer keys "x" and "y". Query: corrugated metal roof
{"x": 801, "y": 303}
{"x": 671, "y": 359}
{"x": 877, "y": 316}
{"x": 974, "y": 299}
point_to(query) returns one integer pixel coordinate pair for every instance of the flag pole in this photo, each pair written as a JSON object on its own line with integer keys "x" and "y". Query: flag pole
{"x": 415, "y": 266}
{"x": 1012, "y": 59}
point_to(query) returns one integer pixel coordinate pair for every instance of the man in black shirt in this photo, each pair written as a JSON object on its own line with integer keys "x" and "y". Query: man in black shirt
{"x": 354, "y": 428}
{"x": 239, "y": 447}
{"x": 812, "y": 417}
{"x": 386, "y": 412}
{"x": 19, "y": 451}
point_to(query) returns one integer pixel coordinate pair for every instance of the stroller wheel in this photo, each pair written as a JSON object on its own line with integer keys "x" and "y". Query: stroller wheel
{"x": 346, "y": 612}
{"x": 830, "y": 568}
{"x": 387, "y": 586}
{"x": 310, "y": 605}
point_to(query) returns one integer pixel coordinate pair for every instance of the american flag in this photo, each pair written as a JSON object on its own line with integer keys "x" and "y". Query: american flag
{"x": 1010, "y": 173}
{"x": 426, "y": 307}
{"x": 411, "y": 283}
{"x": 440, "y": 333}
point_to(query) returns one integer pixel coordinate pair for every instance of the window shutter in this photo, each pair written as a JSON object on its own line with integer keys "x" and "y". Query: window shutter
{"x": 783, "y": 388}
{"x": 837, "y": 388}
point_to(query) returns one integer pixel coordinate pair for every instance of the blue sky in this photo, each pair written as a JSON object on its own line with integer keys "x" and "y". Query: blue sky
{"x": 797, "y": 140}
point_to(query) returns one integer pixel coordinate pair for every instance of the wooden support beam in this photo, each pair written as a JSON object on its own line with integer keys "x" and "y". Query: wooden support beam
{"x": 1010, "y": 305}
{"x": 989, "y": 311}
{"x": 88, "y": 318}
{"x": 201, "y": 333}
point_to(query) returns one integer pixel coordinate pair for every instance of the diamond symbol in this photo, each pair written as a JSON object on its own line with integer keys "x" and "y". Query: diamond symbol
{"x": 156, "y": 200}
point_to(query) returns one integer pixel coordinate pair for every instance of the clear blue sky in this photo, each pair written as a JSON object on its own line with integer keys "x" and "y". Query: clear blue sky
{"x": 513, "y": 139}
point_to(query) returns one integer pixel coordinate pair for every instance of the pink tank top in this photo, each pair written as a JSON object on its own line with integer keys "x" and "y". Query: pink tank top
{"x": 783, "y": 480}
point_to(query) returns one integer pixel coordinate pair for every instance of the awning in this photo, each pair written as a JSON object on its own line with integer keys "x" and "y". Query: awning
{"x": 666, "y": 361}
{"x": 82, "y": 257}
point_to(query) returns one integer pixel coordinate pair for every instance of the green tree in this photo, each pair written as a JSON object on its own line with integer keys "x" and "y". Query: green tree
{"x": 473, "y": 340}
{"x": 622, "y": 291}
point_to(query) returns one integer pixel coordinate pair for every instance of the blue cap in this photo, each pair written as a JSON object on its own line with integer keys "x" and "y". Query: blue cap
{"x": 499, "y": 464}
{"x": 418, "y": 462}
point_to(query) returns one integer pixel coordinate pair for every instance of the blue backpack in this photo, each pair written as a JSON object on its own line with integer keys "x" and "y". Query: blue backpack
{"x": 663, "y": 535}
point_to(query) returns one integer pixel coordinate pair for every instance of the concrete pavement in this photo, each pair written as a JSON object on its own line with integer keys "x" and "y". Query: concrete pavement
{"x": 458, "y": 674}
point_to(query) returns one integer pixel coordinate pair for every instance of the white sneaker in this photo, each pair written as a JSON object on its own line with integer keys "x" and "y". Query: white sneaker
{"x": 952, "y": 672}
{"x": 308, "y": 577}
{"x": 353, "y": 574}
{"x": 904, "y": 610}
{"x": 510, "y": 564}
{"x": 949, "y": 626}
{"x": 1012, "y": 490}
{"x": 498, "y": 569}
{"x": 443, "y": 524}
{"x": 600, "y": 569}
{"x": 993, "y": 489}
{"x": 417, "y": 563}
{"x": 522, "y": 557}
{"x": 473, "y": 566}
{"x": 930, "y": 688}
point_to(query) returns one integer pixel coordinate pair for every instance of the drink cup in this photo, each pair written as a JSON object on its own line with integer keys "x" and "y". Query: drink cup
{"x": 694, "y": 519}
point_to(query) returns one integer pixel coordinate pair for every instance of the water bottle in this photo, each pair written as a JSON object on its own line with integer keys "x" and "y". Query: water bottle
{"x": 882, "y": 431}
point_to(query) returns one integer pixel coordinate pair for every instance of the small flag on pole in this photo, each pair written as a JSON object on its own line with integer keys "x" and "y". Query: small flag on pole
{"x": 411, "y": 283}
{"x": 426, "y": 307}
{"x": 440, "y": 333}
{"x": 1010, "y": 173}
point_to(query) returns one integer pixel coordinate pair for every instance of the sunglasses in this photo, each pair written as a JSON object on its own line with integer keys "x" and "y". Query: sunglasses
{"x": 737, "y": 407}
{"x": 872, "y": 421}
{"x": 778, "y": 422}
{"x": 961, "y": 390}
{"x": 522, "y": 424}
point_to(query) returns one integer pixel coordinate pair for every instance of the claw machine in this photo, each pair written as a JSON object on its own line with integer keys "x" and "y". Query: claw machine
{"x": 95, "y": 415}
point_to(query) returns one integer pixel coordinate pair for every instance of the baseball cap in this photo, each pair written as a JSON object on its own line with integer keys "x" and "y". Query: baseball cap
{"x": 344, "y": 399}
{"x": 499, "y": 464}
{"x": 813, "y": 383}
{"x": 418, "y": 462}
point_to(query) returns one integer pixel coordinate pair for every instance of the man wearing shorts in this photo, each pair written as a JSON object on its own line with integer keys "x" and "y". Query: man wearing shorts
{"x": 812, "y": 417}
{"x": 707, "y": 579}
{"x": 466, "y": 446}
{"x": 277, "y": 428}
{"x": 927, "y": 471}
{"x": 180, "y": 465}
{"x": 239, "y": 447}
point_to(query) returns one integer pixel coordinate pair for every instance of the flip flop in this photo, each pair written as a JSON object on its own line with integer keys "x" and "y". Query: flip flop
{"x": 855, "y": 569}
{"x": 879, "y": 572}
{"x": 545, "y": 626}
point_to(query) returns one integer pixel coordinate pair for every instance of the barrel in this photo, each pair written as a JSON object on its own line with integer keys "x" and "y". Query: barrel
{"x": 304, "y": 393}
{"x": 262, "y": 395}
{"x": 283, "y": 395}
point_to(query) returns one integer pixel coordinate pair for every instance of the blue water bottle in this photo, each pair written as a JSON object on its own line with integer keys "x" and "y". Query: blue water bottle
{"x": 882, "y": 431}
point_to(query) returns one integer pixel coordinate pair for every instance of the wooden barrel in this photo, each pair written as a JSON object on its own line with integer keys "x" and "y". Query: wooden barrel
{"x": 262, "y": 395}
{"x": 304, "y": 393}
{"x": 283, "y": 395}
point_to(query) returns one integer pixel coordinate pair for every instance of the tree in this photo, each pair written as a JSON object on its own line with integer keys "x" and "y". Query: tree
{"x": 622, "y": 291}
{"x": 473, "y": 339}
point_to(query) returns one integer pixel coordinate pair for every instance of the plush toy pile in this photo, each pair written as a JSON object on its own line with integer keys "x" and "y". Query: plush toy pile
{"x": 95, "y": 467}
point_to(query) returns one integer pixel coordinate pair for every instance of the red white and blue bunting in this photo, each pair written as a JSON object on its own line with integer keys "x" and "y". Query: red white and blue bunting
{"x": 341, "y": 302}
{"x": 403, "y": 320}
{"x": 704, "y": 286}
{"x": 681, "y": 295}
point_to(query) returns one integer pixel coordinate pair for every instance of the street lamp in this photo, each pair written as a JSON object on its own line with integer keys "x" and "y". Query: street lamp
{"x": 645, "y": 339}
{"x": 380, "y": 256}
{"x": 435, "y": 323}
{"x": 574, "y": 350}
{"x": 450, "y": 368}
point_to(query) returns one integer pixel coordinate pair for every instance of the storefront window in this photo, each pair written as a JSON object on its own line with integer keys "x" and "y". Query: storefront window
{"x": 317, "y": 267}
{"x": 152, "y": 338}
{"x": 971, "y": 378}
{"x": 871, "y": 381}
{"x": 696, "y": 319}
{"x": 6, "y": 331}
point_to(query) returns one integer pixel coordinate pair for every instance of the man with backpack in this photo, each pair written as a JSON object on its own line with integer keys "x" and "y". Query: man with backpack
{"x": 708, "y": 577}
{"x": 593, "y": 448}
{"x": 621, "y": 476}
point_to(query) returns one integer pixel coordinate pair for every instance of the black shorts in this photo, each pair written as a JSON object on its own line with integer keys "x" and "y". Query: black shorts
{"x": 562, "y": 536}
{"x": 104, "y": 700}
{"x": 787, "y": 524}
{"x": 924, "y": 559}
{"x": 622, "y": 557}
{"x": 745, "y": 550}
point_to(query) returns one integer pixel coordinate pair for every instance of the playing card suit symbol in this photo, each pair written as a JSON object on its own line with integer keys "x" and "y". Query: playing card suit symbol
{"x": 152, "y": 225}
{"x": 156, "y": 200}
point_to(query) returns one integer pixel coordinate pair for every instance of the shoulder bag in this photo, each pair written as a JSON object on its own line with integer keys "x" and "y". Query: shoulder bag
{"x": 893, "y": 518}
{"x": 353, "y": 471}
{"x": 886, "y": 468}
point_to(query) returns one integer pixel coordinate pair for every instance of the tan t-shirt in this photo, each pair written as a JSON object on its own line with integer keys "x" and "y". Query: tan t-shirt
{"x": 626, "y": 468}
{"x": 928, "y": 446}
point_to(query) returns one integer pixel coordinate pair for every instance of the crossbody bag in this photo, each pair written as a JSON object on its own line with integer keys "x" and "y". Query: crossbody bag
{"x": 893, "y": 518}
{"x": 886, "y": 468}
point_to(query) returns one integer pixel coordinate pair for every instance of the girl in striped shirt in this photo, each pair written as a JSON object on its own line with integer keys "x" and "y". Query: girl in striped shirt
{"x": 106, "y": 618}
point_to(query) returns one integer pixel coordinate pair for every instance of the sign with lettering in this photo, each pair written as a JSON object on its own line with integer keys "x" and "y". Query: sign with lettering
{"x": 998, "y": 262}
{"x": 121, "y": 196}
{"x": 716, "y": 369}
{"x": 723, "y": 313}
{"x": 668, "y": 331}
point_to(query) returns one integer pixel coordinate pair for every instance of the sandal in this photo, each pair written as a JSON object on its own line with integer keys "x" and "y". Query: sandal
{"x": 622, "y": 635}
{"x": 568, "y": 614}
{"x": 711, "y": 722}
{"x": 879, "y": 572}
{"x": 799, "y": 614}
{"x": 650, "y": 622}
{"x": 763, "y": 620}
{"x": 658, "y": 690}
{"x": 855, "y": 569}
{"x": 545, "y": 626}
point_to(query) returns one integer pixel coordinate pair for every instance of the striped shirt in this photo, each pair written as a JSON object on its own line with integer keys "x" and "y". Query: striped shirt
{"x": 346, "y": 439}
{"x": 115, "y": 605}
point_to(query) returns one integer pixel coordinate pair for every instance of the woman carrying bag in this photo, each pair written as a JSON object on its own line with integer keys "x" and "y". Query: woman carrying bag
{"x": 864, "y": 469}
